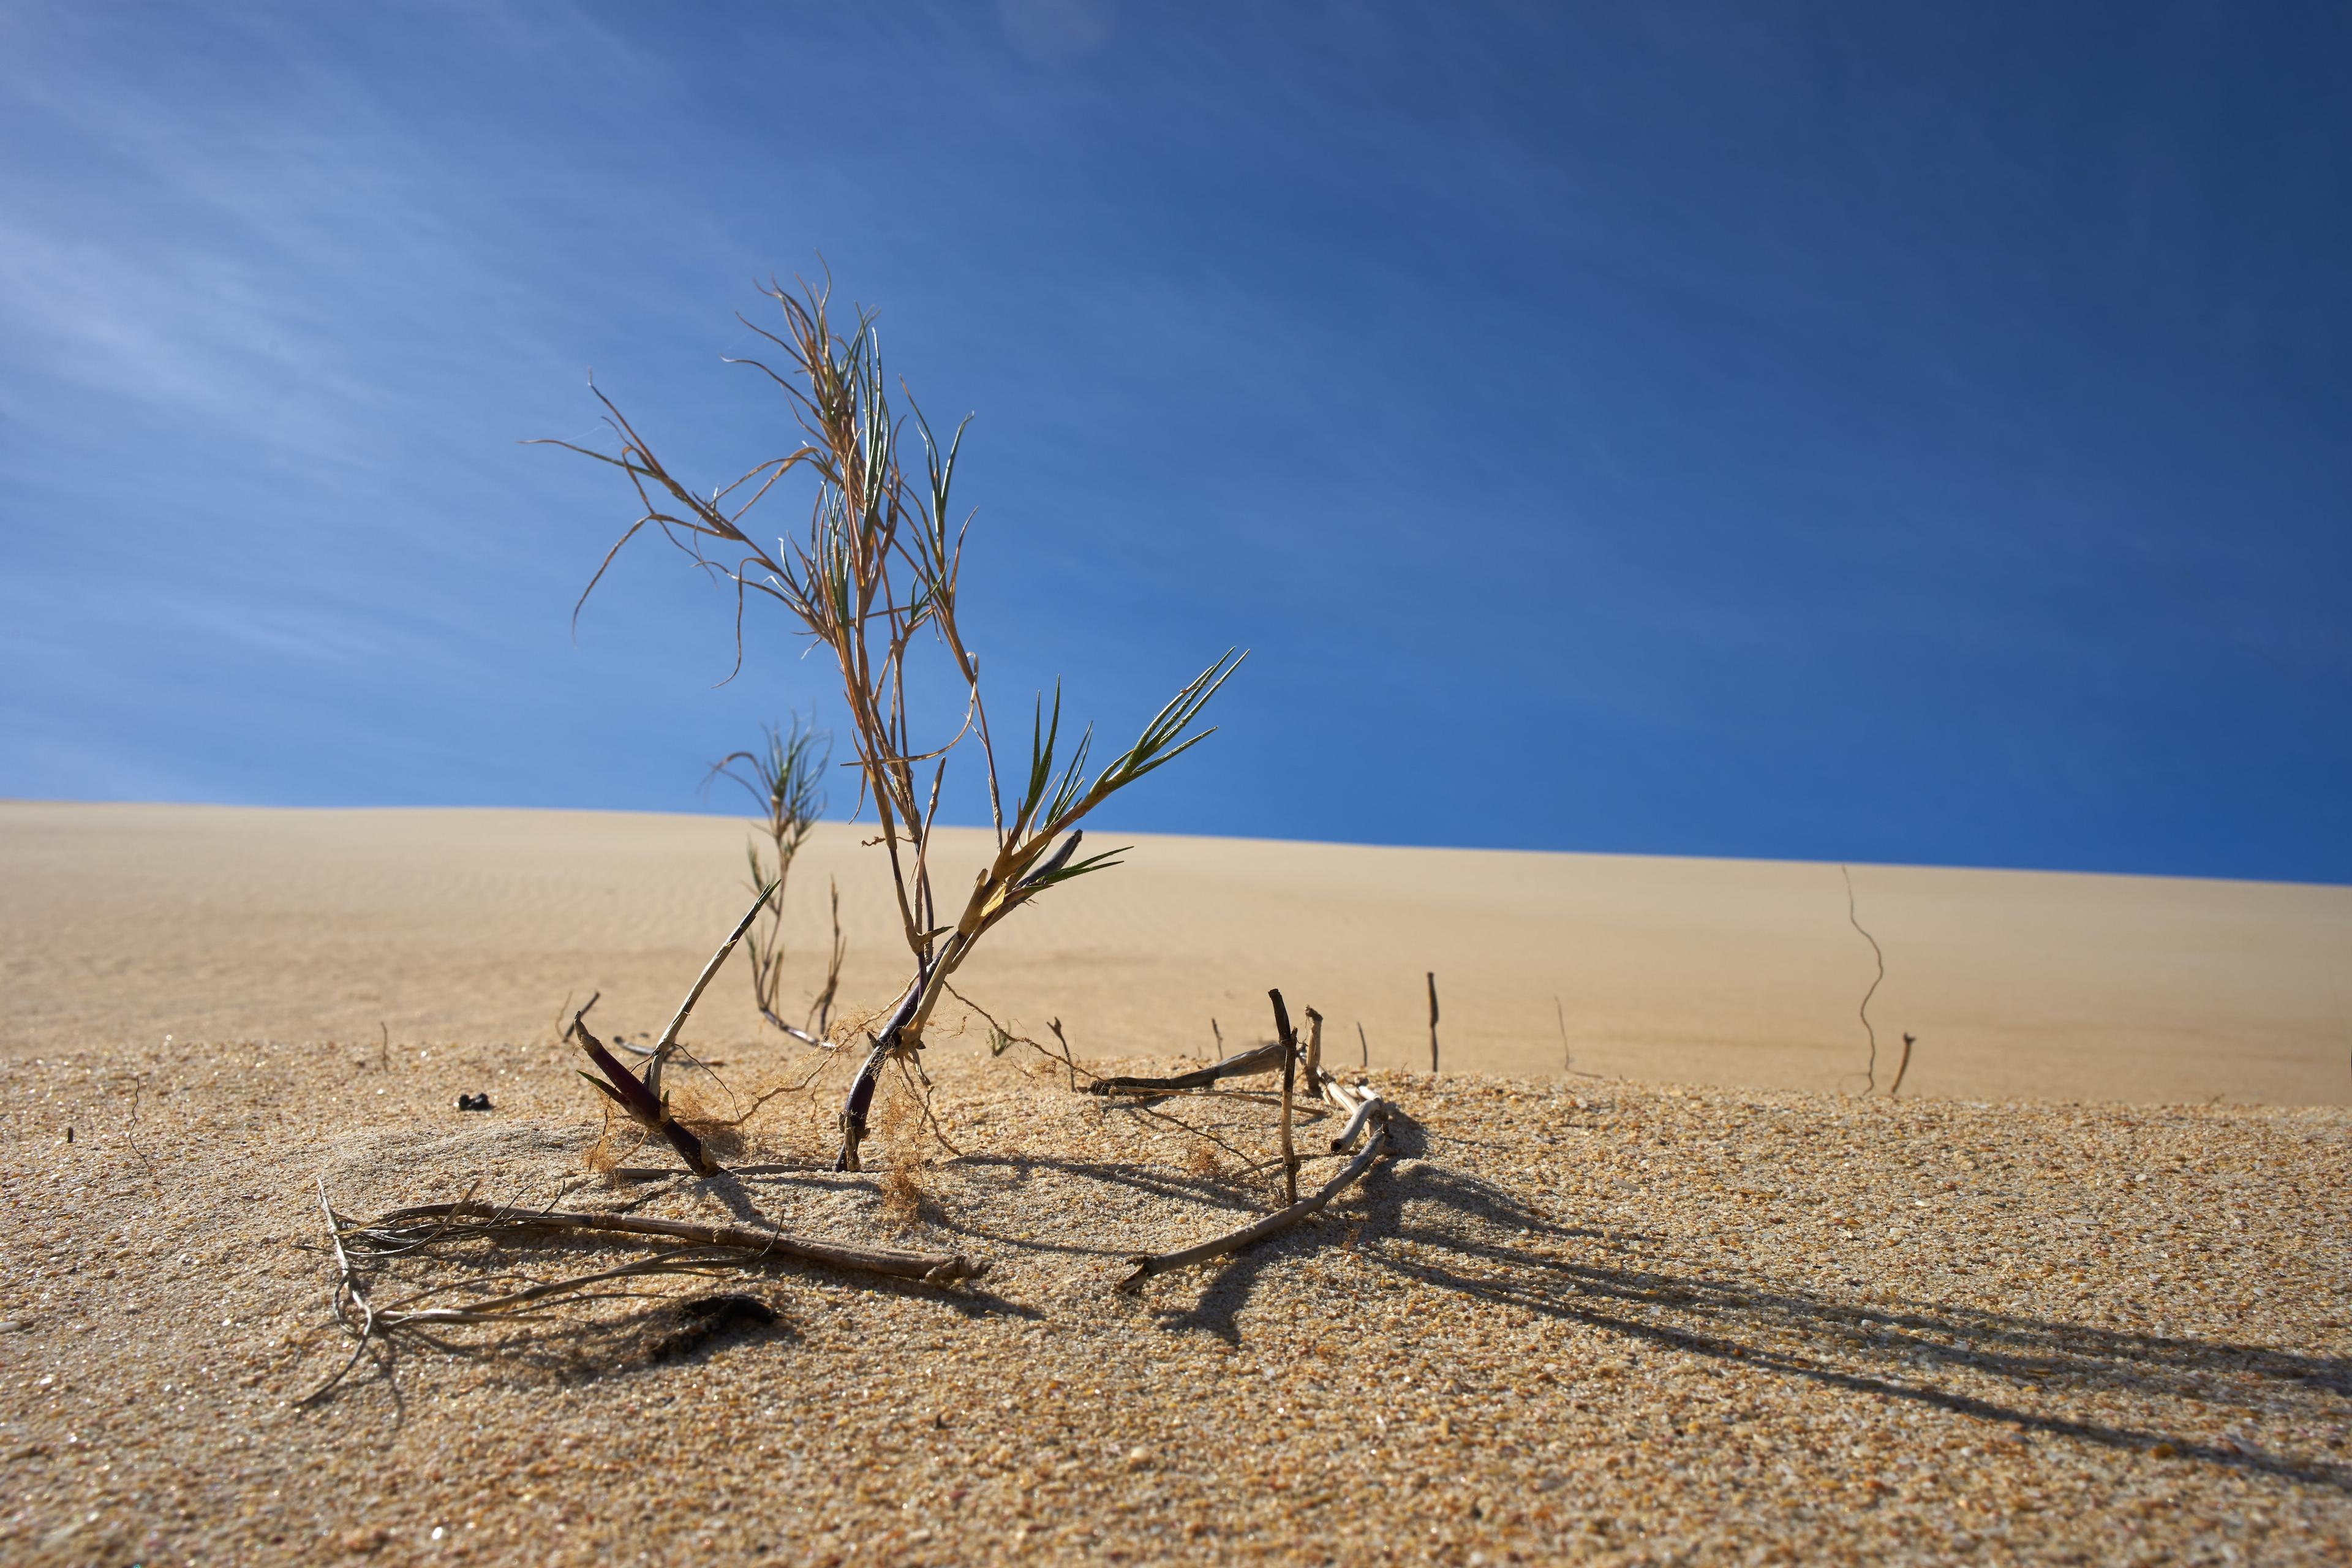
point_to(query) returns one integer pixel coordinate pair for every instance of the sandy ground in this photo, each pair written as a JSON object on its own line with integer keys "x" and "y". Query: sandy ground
{"x": 123, "y": 923}
{"x": 1576, "y": 1318}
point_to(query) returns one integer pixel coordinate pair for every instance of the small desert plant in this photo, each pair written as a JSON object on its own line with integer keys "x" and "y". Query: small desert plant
{"x": 785, "y": 776}
{"x": 879, "y": 566}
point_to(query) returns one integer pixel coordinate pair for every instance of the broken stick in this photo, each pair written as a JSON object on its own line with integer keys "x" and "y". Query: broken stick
{"x": 1289, "y": 1044}
{"x": 932, "y": 1267}
{"x": 1433, "y": 1023}
{"x": 1273, "y": 1223}
{"x": 1244, "y": 1064}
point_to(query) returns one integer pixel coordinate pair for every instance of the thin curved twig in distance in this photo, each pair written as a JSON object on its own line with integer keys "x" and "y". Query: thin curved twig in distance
{"x": 1870, "y": 1072}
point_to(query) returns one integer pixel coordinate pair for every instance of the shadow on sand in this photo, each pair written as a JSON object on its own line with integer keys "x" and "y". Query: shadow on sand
{"x": 1470, "y": 1236}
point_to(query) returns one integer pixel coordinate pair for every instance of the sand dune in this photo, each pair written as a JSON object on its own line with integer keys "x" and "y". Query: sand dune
{"x": 124, "y": 922}
{"x": 1567, "y": 1318}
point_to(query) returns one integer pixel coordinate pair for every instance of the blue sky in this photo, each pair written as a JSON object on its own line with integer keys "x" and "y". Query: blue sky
{"x": 1859, "y": 433}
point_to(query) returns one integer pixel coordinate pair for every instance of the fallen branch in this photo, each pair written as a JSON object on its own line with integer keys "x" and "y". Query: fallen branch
{"x": 1272, "y": 1225}
{"x": 1244, "y": 1064}
{"x": 932, "y": 1267}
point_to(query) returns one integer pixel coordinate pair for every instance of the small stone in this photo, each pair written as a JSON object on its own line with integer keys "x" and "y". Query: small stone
{"x": 1139, "y": 1459}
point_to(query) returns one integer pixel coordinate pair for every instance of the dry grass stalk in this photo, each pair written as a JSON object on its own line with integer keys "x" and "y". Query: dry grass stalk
{"x": 640, "y": 1098}
{"x": 785, "y": 776}
{"x": 880, "y": 563}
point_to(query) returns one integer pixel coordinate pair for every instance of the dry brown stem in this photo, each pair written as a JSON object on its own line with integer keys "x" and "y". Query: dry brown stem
{"x": 1870, "y": 1071}
{"x": 1361, "y": 1101}
{"x": 1433, "y": 1023}
{"x": 1289, "y": 1045}
{"x": 403, "y": 1227}
{"x": 1244, "y": 1064}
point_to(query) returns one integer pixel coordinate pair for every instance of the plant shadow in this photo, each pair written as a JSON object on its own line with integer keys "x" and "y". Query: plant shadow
{"x": 1439, "y": 1228}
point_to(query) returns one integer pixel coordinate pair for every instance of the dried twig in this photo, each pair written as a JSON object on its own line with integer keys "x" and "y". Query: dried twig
{"x": 1433, "y": 1023}
{"x": 1369, "y": 1105}
{"x": 1365, "y": 1107}
{"x": 1002, "y": 1040}
{"x": 130, "y": 1137}
{"x": 1246, "y": 1063}
{"x": 688, "y": 1247}
{"x": 1870, "y": 1073}
{"x": 1068, "y": 1061}
{"x": 347, "y": 1290}
{"x": 821, "y": 1009}
{"x": 1289, "y": 1045}
{"x": 669, "y": 1041}
{"x": 911, "y": 1071}
{"x": 930, "y": 1267}
{"x": 641, "y": 1099}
